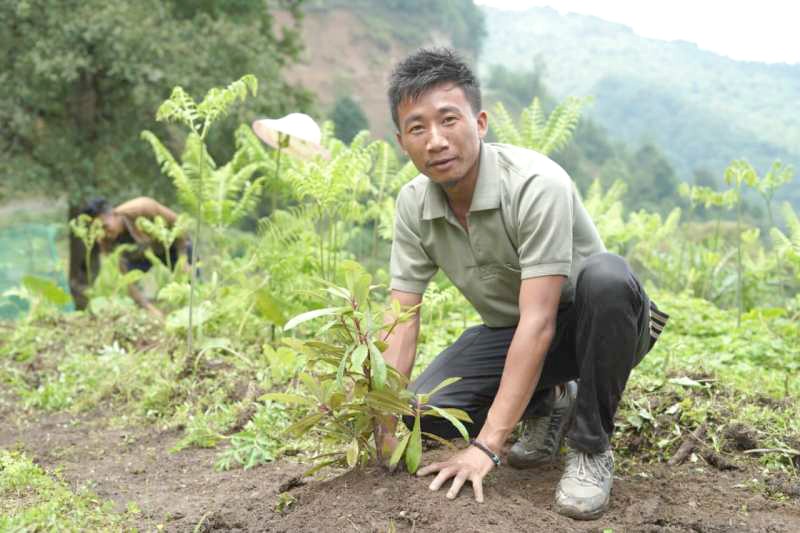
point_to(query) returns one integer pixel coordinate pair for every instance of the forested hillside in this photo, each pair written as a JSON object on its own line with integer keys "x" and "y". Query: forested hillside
{"x": 704, "y": 109}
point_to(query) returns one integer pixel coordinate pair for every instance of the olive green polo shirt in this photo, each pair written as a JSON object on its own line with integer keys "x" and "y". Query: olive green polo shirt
{"x": 526, "y": 220}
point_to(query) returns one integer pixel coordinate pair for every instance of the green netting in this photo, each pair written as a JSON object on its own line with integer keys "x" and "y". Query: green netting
{"x": 27, "y": 249}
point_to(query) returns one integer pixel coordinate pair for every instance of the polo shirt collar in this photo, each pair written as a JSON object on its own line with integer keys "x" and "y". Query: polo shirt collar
{"x": 485, "y": 196}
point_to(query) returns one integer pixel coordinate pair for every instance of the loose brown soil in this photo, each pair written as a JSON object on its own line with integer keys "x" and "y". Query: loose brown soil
{"x": 182, "y": 491}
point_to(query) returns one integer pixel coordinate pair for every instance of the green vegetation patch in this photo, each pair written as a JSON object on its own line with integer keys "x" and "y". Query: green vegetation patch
{"x": 32, "y": 500}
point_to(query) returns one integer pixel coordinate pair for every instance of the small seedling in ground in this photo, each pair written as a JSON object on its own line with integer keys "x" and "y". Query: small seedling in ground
{"x": 354, "y": 389}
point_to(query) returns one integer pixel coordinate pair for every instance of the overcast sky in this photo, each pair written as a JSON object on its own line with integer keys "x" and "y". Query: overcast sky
{"x": 764, "y": 30}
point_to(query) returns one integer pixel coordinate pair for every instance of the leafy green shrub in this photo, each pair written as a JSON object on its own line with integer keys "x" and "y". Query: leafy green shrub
{"x": 354, "y": 390}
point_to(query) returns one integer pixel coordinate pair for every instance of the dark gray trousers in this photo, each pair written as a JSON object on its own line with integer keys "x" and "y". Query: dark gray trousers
{"x": 599, "y": 338}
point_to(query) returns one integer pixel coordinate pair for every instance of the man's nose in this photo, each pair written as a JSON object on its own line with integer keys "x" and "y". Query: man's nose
{"x": 437, "y": 141}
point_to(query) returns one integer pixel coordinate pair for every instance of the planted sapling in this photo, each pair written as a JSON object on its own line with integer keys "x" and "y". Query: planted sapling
{"x": 349, "y": 389}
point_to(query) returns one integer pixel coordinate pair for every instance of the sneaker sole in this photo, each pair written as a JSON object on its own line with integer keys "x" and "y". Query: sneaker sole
{"x": 583, "y": 515}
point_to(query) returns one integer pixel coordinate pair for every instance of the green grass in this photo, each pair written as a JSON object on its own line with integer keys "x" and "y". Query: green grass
{"x": 32, "y": 500}
{"x": 707, "y": 370}
{"x": 704, "y": 370}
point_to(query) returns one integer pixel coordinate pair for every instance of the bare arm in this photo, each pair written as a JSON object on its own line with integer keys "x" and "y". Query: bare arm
{"x": 538, "y": 304}
{"x": 402, "y": 350}
{"x": 138, "y": 296}
{"x": 400, "y": 354}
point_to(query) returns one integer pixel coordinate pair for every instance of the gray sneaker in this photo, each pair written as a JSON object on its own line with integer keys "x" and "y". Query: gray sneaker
{"x": 584, "y": 491}
{"x": 541, "y": 436}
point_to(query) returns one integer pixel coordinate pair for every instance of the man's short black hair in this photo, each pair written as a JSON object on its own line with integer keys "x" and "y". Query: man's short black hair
{"x": 96, "y": 207}
{"x": 426, "y": 68}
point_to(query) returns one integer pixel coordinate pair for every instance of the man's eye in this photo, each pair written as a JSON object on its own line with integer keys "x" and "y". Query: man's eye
{"x": 415, "y": 129}
{"x": 449, "y": 120}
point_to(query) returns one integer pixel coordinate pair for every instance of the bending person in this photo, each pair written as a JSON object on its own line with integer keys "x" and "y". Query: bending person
{"x": 119, "y": 226}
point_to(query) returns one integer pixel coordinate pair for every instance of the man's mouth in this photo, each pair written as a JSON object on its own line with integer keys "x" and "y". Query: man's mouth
{"x": 441, "y": 163}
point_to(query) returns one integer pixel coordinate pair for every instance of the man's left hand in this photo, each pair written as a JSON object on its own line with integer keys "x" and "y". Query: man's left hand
{"x": 469, "y": 464}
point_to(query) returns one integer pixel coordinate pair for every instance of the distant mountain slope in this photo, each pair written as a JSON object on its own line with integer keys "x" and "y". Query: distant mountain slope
{"x": 352, "y": 45}
{"x": 704, "y": 109}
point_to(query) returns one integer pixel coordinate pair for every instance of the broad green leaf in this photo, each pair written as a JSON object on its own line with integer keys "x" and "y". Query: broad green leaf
{"x": 453, "y": 420}
{"x": 297, "y": 344}
{"x": 361, "y": 289}
{"x": 46, "y": 289}
{"x": 304, "y": 424}
{"x": 414, "y": 449}
{"x": 359, "y": 355}
{"x": 352, "y": 453}
{"x": 269, "y": 308}
{"x": 398, "y": 451}
{"x": 386, "y": 402}
{"x": 285, "y": 397}
{"x": 316, "y": 468}
{"x": 443, "y": 384}
{"x": 439, "y": 439}
{"x": 457, "y": 413}
{"x": 382, "y": 346}
{"x": 340, "y": 292}
{"x": 377, "y": 366}
{"x": 311, "y": 315}
{"x": 340, "y": 371}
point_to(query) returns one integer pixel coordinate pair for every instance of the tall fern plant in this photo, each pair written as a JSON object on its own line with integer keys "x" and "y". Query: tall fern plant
{"x": 214, "y": 195}
{"x": 334, "y": 187}
{"x": 536, "y": 130}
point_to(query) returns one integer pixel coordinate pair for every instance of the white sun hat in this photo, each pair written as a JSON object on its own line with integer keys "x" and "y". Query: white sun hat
{"x": 304, "y": 135}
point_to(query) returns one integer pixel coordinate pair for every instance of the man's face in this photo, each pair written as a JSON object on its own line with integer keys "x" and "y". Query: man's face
{"x": 441, "y": 134}
{"x": 112, "y": 225}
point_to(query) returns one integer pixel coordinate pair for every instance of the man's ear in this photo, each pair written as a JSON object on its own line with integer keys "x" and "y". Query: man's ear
{"x": 483, "y": 123}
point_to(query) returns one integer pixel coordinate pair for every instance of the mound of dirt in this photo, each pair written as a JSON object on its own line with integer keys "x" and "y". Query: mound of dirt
{"x": 182, "y": 491}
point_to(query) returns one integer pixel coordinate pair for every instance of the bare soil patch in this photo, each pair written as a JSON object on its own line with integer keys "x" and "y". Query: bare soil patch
{"x": 183, "y": 492}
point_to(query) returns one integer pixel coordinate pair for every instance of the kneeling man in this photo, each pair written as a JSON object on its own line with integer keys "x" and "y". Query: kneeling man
{"x": 564, "y": 322}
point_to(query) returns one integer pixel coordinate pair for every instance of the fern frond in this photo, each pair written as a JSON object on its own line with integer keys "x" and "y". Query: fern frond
{"x": 533, "y": 123}
{"x": 169, "y": 166}
{"x": 385, "y": 163}
{"x": 560, "y": 125}
{"x": 360, "y": 141}
{"x": 218, "y": 101}
{"x": 792, "y": 221}
{"x": 504, "y": 128}
{"x": 179, "y": 107}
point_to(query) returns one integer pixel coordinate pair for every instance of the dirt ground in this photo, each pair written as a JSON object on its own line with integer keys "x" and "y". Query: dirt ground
{"x": 182, "y": 491}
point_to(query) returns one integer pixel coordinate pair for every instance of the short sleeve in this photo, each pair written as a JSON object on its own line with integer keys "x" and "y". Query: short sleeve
{"x": 410, "y": 265}
{"x": 545, "y": 226}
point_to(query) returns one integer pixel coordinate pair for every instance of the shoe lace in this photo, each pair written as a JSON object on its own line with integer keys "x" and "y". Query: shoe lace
{"x": 588, "y": 468}
{"x": 535, "y": 429}
{"x": 542, "y": 430}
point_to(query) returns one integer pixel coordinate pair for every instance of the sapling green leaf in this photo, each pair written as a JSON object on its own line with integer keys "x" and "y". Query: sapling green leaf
{"x": 285, "y": 397}
{"x": 452, "y": 419}
{"x": 399, "y": 449}
{"x": 414, "y": 449}
{"x": 311, "y": 315}
{"x": 352, "y": 453}
{"x": 378, "y": 366}
{"x": 359, "y": 355}
{"x": 446, "y": 382}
